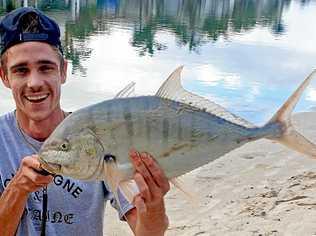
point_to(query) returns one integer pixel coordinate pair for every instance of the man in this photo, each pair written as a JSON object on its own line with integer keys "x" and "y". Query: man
{"x": 33, "y": 67}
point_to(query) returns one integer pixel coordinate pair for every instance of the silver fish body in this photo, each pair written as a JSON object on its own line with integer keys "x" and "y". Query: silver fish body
{"x": 181, "y": 135}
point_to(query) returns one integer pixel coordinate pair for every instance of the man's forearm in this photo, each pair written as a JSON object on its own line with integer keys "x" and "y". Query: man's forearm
{"x": 12, "y": 205}
{"x": 153, "y": 226}
{"x": 14, "y": 197}
{"x": 144, "y": 230}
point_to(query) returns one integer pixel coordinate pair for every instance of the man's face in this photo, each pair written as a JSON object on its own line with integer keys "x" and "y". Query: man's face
{"x": 35, "y": 77}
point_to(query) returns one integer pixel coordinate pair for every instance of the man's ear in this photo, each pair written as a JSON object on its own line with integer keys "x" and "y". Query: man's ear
{"x": 64, "y": 71}
{"x": 4, "y": 77}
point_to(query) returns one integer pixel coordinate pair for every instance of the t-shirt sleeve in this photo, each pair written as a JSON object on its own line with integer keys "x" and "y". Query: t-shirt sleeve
{"x": 121, "y": 205}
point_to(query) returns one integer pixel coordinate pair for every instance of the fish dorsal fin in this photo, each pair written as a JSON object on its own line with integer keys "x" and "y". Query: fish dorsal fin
{"x": 127, "y": 91}
{"x": 173, "y": 90}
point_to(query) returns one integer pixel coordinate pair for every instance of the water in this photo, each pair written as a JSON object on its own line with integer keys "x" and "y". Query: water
{"x": 245, "y": 55}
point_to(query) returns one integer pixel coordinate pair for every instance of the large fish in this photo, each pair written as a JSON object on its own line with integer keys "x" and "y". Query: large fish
{"x": 181, "y": 130}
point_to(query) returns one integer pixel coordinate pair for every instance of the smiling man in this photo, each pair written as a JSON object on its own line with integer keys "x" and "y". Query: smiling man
{"x": 33, "y": 67}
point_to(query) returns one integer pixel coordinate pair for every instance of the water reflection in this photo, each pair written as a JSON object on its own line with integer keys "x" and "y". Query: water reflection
{"x": 192, "y": 22}
{"x": 253, "y": 51}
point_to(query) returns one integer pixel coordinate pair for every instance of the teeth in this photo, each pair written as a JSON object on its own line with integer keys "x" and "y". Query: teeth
{"x": 35, "y": 98}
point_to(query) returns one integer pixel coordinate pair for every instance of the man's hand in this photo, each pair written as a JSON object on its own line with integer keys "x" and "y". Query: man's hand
{"x": 14, "y": 196}
{"x": 28, "y": 178}
{"x": 151, "y": 217}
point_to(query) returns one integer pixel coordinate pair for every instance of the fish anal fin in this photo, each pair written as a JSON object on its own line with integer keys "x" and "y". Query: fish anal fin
{"x": 191, "y": 196}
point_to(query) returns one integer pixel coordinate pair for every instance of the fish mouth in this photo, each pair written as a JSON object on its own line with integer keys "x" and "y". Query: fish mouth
{"x": 52, "y": 168}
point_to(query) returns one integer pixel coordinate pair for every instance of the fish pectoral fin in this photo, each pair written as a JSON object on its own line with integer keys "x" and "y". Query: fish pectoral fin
{"x": 172, "y": 89}
{"x": 129, "y": 189}
{"x": 114, "y": 178}
{"x": 127, "y": 91}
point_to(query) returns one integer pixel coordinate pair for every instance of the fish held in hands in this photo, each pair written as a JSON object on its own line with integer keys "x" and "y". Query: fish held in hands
{"x": 181, "y": 130}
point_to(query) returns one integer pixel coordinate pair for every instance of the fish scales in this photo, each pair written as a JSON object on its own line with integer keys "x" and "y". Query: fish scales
{"x": 188, "y": 134}
{"x": 180, "y": 129}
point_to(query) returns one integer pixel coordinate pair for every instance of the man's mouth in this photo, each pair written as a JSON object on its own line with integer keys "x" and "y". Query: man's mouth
{"x": 36, "y": 98}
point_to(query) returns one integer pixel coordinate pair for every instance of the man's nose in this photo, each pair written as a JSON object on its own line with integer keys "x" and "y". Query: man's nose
{"x": 35, "y": 81}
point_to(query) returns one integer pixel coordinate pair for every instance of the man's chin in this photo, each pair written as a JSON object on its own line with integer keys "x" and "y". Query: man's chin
{"x": 38, "y": 115}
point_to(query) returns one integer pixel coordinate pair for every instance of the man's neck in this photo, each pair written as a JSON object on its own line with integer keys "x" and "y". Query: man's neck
{"x": 40, "y": 130}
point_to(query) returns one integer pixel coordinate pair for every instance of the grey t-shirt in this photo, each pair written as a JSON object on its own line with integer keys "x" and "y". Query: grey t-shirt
{"x": 74, "y": 207}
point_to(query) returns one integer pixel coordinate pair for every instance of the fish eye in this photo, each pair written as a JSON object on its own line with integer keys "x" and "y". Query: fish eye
{"x": 64, "y": 146}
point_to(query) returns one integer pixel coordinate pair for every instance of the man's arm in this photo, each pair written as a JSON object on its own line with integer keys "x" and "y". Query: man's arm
{"x": 14, "y": 197}
{"x": 149, "y": 217}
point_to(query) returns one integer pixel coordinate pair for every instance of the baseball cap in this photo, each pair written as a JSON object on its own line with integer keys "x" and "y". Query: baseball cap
{"x": 13, "y": 29}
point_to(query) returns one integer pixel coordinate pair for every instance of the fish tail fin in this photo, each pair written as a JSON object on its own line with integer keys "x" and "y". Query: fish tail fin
{"x": 290, "y": 137}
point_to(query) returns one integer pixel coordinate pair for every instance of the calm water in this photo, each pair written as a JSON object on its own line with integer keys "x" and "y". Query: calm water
{"x": 248, "y": 56}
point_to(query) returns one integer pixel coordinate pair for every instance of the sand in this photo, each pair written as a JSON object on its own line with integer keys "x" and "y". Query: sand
{"x": 261, "y": 188}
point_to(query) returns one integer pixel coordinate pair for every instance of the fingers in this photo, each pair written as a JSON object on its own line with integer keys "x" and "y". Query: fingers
{"x": 31, "y": 162}
{"x": 140, "y": 204}
{"x": 143, "y": 187}
{"x": 145, "y": 164}
{"x": 151, "y": 181}
{"x": 28, "y": 177}
{"x": 143, "y": 177}
{"x": 153, "y": 185}
{"x": 156, "y": 172}
{"x": 140, "y": 166}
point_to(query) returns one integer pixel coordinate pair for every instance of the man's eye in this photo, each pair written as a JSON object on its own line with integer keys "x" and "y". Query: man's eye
{"x": 46, "y": 68}
{"x": 21, "y": 70}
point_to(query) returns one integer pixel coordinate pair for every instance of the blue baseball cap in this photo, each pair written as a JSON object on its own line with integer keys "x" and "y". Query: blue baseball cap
{"x": 12, "y": 29}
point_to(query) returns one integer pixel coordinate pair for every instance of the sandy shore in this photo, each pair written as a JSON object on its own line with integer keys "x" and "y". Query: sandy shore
{"x": 261, "y": 188}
